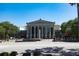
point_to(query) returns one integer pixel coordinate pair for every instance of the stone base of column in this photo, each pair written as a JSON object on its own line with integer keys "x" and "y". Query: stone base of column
{"x": 50, "y": 36}
{"x": 46, "y": 36}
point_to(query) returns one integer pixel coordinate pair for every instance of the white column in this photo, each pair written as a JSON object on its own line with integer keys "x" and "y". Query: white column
{"x": 31, "y": 32}
{"x": 42, "y": 32}
{"x": 39, "y": 34}
{"x": 45, "y": 32}
{"x": 34, "y": 32}
{"x": 37, "y": 31}
{"x": 50, "y": 32}
{"x": 27, "y": 33}
{"x": 53, "y": 32}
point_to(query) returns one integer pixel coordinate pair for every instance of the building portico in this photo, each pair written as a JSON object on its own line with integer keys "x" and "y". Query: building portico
{"x": 40, "y": 29}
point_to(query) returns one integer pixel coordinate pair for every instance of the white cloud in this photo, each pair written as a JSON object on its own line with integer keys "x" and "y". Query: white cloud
{"x": 22, "y": 28}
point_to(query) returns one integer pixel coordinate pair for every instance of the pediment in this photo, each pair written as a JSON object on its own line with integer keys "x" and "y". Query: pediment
{"x": 39, "y": 21}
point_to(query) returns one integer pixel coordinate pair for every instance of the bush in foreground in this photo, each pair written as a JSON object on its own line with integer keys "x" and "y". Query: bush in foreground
{"x": 13, "y": 53}
{"x": 36, "y": 53}
{"x": 26, "y": 54}
{"x": 4, "y": 54}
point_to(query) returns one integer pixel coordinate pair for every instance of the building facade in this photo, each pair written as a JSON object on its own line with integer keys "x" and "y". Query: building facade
{"x": 40, "y": 29}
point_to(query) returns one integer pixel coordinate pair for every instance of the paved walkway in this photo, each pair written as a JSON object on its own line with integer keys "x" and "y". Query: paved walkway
{"x": 22, "y": 46}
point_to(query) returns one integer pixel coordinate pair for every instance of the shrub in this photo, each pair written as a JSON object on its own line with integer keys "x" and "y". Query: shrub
{"x": 47, "y": 54}
{"x": 13, "y": 53}
{"x": 27, "y": 54}
{"x": 4, "y": 54}
{"x": 36, "y": 53}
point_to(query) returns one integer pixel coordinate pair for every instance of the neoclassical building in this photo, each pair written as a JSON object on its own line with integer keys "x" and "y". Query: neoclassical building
{"x": 40, "y": 29}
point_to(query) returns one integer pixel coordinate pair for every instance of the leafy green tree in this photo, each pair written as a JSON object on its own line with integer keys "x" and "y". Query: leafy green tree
{"x": 10, "y": 29}
{"x": 63, "y": 27}
{"x": 74, "y": 27}
{"x": 2, "y": 32}
{"x": 77, "y": 27}
{"x": 70, "y": 27}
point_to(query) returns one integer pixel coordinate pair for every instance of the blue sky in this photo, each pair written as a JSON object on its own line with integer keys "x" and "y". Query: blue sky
{"x": 20, "y": 14}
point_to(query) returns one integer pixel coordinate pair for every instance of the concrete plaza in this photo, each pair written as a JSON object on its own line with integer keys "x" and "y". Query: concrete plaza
{"x": 22, "y": 46}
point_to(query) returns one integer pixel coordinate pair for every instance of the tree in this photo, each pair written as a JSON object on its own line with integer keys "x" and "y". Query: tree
{"x": 10, "y": 29}
{"x": 70, "y": 28}
{"x": 63, "y": 27}
{"x": 74, "y": 27}
{"x": 77, "y": 27}
{"x": 2, "y": 32}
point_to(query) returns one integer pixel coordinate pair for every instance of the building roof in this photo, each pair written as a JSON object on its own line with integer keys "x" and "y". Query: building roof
{"x": 40, "y": 21}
